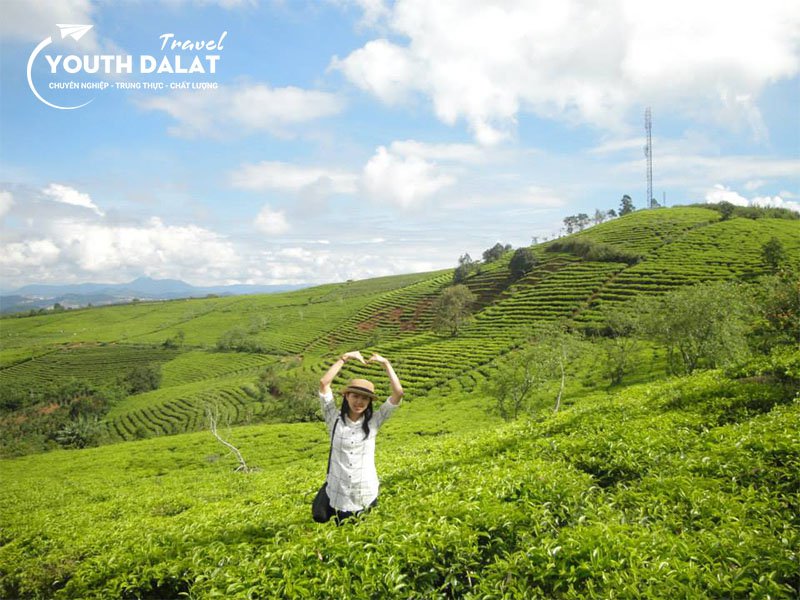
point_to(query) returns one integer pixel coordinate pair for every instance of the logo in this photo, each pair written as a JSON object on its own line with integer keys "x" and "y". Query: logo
{"x": 76, "y": 32}
{"x": 190, "y": 58}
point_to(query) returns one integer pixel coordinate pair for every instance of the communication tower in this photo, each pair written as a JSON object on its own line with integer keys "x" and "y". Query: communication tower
{"x": 648, "y": 152}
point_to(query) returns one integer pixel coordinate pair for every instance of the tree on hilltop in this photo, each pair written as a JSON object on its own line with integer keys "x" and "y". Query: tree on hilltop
{"x": 466, "y": 266}
{"x": 495, "y": 252}
{"x": 626, "y": 205}
{"x": 726, "y": 209}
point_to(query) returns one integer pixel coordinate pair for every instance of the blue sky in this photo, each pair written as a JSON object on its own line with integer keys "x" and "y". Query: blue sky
{"x": 346, "y": 139}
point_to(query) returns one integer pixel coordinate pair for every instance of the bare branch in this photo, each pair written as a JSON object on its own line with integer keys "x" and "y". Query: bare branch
{"x": 212, "y": 418}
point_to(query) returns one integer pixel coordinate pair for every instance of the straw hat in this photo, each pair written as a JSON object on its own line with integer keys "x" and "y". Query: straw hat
{"x": 361, "y": 386}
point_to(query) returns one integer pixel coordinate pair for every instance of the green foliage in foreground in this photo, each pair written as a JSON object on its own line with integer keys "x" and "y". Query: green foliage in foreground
{"x": 684, "y": 488}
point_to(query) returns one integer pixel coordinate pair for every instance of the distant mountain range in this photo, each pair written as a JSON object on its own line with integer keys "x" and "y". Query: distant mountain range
{"x": 78, "y": 295}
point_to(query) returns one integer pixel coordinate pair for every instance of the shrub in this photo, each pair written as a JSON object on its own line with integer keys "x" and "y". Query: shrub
{"x": 143, "y": 378}
{"x": 595, "y": 251}
{"x": 522, "y": 262}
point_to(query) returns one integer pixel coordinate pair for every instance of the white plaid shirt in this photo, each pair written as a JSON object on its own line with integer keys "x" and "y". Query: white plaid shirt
{"x": 352, "y": 480}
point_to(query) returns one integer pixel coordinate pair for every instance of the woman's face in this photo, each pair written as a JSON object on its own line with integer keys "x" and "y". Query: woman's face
{"x": 358, "y": 403}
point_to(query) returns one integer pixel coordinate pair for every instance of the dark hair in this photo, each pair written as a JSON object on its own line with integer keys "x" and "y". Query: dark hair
{"x": 367, "y": 414}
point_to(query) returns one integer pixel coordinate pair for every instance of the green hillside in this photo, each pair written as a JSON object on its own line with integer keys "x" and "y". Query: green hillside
{"x": 667, "y": 485}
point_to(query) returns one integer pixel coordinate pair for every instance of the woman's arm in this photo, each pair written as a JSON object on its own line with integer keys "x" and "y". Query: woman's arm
{"x": 333, "y": 371}
{"x": 394, "y": 381}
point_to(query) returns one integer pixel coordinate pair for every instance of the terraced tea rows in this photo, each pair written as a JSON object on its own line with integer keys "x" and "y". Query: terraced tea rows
{"x": 645, "y": 231}
{"x": 559, "y": 292}
{"x": 402, "y": 311}
{"x": 197, "y": 365}
{"x": 96, "y": 364}
{"x": 182, "y": 409}
{"x": 723, "y": 250}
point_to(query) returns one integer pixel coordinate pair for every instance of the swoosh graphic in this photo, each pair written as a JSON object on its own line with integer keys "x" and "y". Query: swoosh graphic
{"x": 42, "y": 45}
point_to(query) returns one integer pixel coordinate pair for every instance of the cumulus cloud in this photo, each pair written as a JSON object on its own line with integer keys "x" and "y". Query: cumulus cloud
{"x": 6, "y": 200}
{"x": 775, "y": 202}
{"x": 402, "y": 180}
{"x": 404, "y": 174}
{"x": 246, "y": 108}
{"x": 581, "y": 62}
{"x": 288, "y": 177}
{"x": 381, "y": 68}
{"x": 67, "y": 195}
{"x": 152, "y": 247}
{"x": 79, "y": 243}
{"x": 272, "y": 221}
{"x": 720, "y": 193}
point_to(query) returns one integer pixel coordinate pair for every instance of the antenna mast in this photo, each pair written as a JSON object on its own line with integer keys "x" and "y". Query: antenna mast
{"x": 648, "y": 152}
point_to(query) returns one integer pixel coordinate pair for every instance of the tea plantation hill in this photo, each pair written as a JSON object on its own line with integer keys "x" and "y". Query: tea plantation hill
{"x": 680, "y": 487}
{"x": 674, "y": 247}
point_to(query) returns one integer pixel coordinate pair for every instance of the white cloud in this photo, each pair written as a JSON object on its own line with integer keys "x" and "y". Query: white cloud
{"x": 402, "y": 180}
{"x": 245, "y": 108}
{"x": 154, "y": 247}
{"x": 381, "y": 68}
{"x": 29, "y": 253}
{"x": 461, "y": 153}
{"x": 720, "y": 193}
{"x": 775, "y": 202}
{"x": 68, "y": 195}
{"x": 79, "y": 245}
{"x": 285, "y": 176}
{"x": 271, "y": 221}
{"x": 6, "y": 201}
{"x": 590, "y": 62}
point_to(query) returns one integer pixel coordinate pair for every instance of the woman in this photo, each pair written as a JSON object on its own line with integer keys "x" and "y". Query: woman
{"x": 352, "y": 482}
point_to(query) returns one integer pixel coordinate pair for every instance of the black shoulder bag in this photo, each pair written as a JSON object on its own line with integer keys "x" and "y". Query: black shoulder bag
{"x": 321, "y": 509}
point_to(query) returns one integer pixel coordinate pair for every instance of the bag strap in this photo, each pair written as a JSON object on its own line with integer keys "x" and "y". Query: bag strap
{"x": 330, "y": 451}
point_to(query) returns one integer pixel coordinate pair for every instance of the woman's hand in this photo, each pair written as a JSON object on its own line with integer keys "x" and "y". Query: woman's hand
{"x": 378, "y": 359}
{"x": 354, "y": 354}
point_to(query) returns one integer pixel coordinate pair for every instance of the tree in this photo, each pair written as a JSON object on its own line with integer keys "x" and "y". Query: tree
{"x": 778, "y": 302}
{"x": 726, "y": 209}
{"x": 626, "y": 205}
{"x": 581, "y": 220}
{"x": 143, "y": 378}
{"x": 176, "y": 341}
{"x": 453, "y": 309}
{"x": 773, "y": 253}
{"x": 570, "y": 223}
{"x": 288, "y": 395}
{"x": 543, "y": 358}
{"x": 522, "y": 262}
{"x": 465, "y": 267}
{"x": 599, "y": 216}
{"x": 701, "y": 326}
{"x": 79, "y": 433}
{"x": 495, "y": 252}
{"x": 622, "y": 327}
